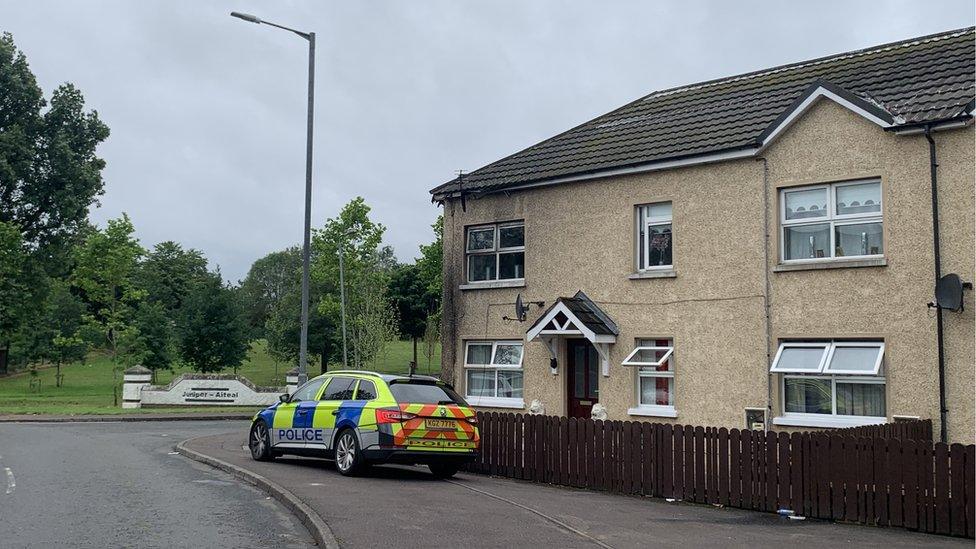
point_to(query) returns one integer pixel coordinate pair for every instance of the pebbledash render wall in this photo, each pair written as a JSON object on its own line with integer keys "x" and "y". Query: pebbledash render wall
{"x": 580, "y": 236}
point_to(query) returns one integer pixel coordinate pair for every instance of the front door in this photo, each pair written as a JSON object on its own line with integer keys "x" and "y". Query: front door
{"x": 583, "y": 376}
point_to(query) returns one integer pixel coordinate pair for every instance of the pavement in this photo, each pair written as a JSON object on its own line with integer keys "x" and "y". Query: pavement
{"x": 121, "y": 484}
{"x": 397, "y": 506}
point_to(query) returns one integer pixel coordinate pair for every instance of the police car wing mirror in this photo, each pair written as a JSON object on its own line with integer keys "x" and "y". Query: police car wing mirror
{"x": 284, "y": 398}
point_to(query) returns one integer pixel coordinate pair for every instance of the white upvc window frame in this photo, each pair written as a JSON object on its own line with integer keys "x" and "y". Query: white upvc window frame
{"x": 652, "y": 410}
{"x": 496, "y": 250}
{"x": 494, "y": 401}
{"x": 644, "y": 224}
{"x": 834, "y": 376}
{"x": 832, "y": 220}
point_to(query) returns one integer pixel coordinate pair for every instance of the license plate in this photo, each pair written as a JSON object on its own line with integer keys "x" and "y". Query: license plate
{"x": 440, "y": 424}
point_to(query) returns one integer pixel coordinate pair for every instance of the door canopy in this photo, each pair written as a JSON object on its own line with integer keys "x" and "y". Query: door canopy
{"x": 576, "y": 316}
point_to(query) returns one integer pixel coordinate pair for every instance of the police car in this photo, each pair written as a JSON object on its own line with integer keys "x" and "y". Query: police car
{"x": 359, "y": 418}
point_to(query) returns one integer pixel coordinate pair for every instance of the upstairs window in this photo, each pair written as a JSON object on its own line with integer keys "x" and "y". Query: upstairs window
{"x": 655, "y": 238}
{"x": 841, "y": 220}
{"x": 496, "y": 252}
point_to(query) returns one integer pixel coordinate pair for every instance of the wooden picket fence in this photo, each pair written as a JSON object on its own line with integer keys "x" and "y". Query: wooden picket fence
{"x": 829, "y": 475}
{"x": 905, "y": 430}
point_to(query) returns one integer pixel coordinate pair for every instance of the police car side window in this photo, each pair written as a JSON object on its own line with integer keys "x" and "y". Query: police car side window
{"x": 307, "y": 391}
{"x": 366, "y": 390}
{"x": 340, "y": 389}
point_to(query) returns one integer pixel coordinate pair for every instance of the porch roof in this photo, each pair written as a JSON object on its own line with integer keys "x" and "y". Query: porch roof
{"x": 581, "y": 315}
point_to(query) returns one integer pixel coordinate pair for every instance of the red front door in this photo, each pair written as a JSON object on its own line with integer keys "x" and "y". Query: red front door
{"x": 583, "y": 377}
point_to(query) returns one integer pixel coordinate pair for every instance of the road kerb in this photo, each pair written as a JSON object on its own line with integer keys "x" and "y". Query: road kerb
{"x": 316, "y": 526}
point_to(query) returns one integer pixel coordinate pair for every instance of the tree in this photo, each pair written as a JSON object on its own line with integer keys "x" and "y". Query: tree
{"x": 212, "y": 328}
{"x": 57, "y": 337}
{"x": 49, "y": 173}
{"x": 167, "y": 273}
{"x": 14, "y": 288}
{"x": 411, "y": 296}
{"x": 266, "y": 284}
{"x": 431, "y": 262}
{"x": 367, "y": 268}
{"x": 151, "y": 341}
{"x": 282, "y": 328}
{"x": 105, "y": 266}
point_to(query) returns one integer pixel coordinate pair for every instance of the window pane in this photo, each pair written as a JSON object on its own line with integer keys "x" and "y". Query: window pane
{"x": 656, "y": 391}
{"x": 859, "y": 199}
{"x": 808, "y": 396}
{"x": 479, "y": 353}
{"x": 659, "y": 244}
{"x": 579, "y": 371}
{"x": 424, "y": 392}
{"x": 860, "y": 239}
{"x": 307, "y": 391}
{"x": 481, "y": 239}
{"x": 511, "y": 265}
{"x": 366, "y": 390}
{"x": 481, "y": 383}
{"x": 508, "y": 354}
{"x": 854, "y": 359}
{"x": 861, "y": 399}
{"x": 481, "y": 267}
{"x": 511, "y": 237}
{"x": 340, "y": 388}
{"x": 509, "y": 384}
{"x": 661, "y": 210}
{"x": 807, "y": 204}
{"x": 593, "y": 368}
{"x": 803, "y": 359}
{"x": 806, "y": 242}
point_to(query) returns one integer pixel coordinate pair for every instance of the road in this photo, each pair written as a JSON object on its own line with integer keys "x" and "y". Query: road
{"x": 118, "y": 484}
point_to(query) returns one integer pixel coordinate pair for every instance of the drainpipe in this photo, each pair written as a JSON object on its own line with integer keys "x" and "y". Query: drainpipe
{"x": 933, "y": 168}
{"x": 766, "y": 291}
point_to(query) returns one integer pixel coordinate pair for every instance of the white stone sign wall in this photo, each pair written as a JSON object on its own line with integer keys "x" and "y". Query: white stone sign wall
{"x": 196, "y": 390}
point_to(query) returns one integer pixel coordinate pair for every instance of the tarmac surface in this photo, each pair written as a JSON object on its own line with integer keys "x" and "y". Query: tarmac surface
{"x": 115, "y": 484}
{"x": 397, "y": 506}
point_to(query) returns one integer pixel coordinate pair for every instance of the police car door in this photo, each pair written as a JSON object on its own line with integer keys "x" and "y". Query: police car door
{"x": 327, "y": 409}
{"x": 293, "y": 419}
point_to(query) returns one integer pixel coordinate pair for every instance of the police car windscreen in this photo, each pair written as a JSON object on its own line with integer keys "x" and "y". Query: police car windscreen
{"x": 424, "y": 393}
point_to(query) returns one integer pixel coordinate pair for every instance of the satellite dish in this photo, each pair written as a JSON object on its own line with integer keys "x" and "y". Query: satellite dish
{"x": 948, "y": 292}
{"x": 520, "y": 308}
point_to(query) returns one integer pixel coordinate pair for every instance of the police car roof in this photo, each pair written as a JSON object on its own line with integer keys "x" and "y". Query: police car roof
{"x": 385, "y": 377}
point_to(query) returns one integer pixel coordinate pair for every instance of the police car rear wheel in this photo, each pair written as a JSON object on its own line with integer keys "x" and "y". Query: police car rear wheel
{"x": 347, "y": 456}
{"x": 260, "y": 442}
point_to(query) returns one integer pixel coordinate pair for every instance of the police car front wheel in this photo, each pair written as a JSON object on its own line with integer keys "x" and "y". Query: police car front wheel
{"x": 259, "y": 442}
{"x": 348, "y": 458}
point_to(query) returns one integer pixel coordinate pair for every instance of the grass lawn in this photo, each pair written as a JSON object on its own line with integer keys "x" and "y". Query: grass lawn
{"x": 87, "y": 387}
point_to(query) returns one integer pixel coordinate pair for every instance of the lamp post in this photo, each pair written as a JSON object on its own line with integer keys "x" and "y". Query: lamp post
{"x": 342, "y": 294}
{"x": 310, "y": 36}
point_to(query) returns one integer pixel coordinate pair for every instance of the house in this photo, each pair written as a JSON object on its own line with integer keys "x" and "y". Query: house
{"x": 754, "y": 251}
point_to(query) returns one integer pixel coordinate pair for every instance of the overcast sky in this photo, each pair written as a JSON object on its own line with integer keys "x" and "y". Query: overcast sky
{"x": 207, "y": 112}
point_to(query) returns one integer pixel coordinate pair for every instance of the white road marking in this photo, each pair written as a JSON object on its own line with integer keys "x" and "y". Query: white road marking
{"x": 11, "y": 482}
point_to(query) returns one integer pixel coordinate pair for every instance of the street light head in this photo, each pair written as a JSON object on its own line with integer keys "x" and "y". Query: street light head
{"x": 247, "y": 17}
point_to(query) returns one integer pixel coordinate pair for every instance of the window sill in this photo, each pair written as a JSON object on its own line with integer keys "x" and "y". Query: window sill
{"x": 662, "y": 273}
{"x": 653, "y": 411}
{"x": 811, "y": 420}
{"x": 495, "y": 402}
{"x": 516, "y": 283}
{"x": 817, "y": 265}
